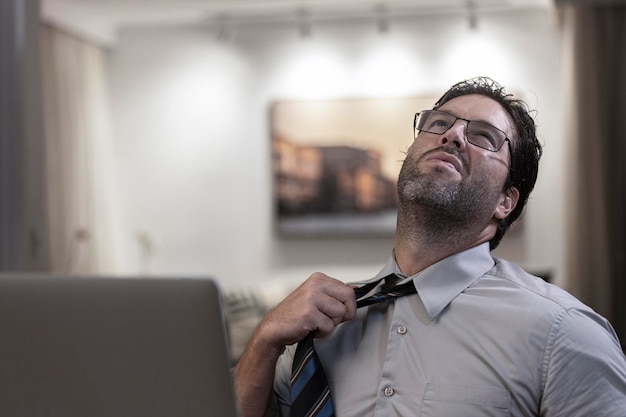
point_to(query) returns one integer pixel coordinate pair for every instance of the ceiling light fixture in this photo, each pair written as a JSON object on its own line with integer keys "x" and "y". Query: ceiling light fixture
{"x": 471, "y": 15}
{"x": 382, "y": 18}
{"x": 304, "y": 22}
{"x": 223, "y": 27}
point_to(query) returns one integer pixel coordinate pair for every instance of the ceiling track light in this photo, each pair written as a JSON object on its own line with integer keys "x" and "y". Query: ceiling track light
{"x": 223, "y": 27}
{"x": 382, "y": 18}
{"x": 472, "y": 16}
{"x": 304, "y": 22}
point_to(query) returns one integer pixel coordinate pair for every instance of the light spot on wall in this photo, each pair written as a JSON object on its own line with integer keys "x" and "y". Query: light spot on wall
{"x": 474, "y": 54}
{"x": 387, "y": 70}
{"x": 314, "y": 72}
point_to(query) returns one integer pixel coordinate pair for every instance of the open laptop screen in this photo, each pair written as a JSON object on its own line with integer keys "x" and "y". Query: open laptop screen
{"x": 136, "y": 347}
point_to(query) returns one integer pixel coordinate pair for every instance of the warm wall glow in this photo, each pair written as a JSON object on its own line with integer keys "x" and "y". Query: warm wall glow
{"x": 319, "y": 71}
{"x": 316, "y": 71}
{"x": 387, "y": 70}
{"x": 476, "y": 54}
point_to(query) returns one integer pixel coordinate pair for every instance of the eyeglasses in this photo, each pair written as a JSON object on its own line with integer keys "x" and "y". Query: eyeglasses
{"x": 479, "y": 134}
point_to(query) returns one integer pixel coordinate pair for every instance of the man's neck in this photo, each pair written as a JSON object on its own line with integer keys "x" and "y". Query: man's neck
{"x": 416, "y": 246}
{"x": 412, "y": 258}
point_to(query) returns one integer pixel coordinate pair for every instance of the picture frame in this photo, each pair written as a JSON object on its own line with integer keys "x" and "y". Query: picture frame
{"x": 335, "y": 164}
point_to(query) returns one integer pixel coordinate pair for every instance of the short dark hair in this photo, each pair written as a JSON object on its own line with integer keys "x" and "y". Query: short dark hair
{"x": 525, "y": 147}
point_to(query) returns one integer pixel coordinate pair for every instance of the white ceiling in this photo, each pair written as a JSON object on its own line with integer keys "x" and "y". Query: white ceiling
{"x": 100, "y": 19}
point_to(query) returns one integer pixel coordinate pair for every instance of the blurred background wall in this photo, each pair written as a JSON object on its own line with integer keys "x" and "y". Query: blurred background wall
{"x": 191, "y": 114}
{"x": 157, "y": 135}
{"x": 189, "y": 105}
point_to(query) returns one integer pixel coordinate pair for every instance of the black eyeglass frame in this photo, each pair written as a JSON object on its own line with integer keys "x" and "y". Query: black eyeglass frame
{"x": 506, "y": 138}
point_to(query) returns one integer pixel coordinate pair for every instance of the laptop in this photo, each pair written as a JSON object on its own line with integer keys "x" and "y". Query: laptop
{"x": 112, "y": 347}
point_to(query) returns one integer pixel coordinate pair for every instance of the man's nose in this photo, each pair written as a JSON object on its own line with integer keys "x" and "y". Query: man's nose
{"x": 456, "y": 135}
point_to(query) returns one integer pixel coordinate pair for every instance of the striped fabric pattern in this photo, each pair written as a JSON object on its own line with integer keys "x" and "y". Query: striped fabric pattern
{"x": 310, "y": 396}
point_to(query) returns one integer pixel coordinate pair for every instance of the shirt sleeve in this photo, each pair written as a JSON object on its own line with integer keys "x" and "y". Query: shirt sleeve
{"x": 282, "y": 379}
{"x": 585, "y": 368}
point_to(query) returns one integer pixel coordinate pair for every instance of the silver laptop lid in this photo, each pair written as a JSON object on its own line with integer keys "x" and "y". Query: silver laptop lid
{"x": 136, "y": 347}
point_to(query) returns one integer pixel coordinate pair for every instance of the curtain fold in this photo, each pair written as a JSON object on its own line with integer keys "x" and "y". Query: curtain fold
{"x": 79, "y": 155}
{"x": 597, "y": 169}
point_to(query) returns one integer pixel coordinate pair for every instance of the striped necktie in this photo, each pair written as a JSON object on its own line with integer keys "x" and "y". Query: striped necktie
{"x": 310, "y": 396}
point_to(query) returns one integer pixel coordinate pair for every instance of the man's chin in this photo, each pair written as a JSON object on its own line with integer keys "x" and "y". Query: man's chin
{"x": 430, "y": 191}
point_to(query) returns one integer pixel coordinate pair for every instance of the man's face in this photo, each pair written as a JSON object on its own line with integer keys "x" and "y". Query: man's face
{"x": 462, "y": 182}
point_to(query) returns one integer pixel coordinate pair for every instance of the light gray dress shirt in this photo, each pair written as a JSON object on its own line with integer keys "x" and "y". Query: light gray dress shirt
{"x": 480, "y": 338}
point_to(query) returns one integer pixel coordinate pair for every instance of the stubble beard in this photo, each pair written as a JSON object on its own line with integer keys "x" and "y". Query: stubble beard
{"x": 438, "y": 210}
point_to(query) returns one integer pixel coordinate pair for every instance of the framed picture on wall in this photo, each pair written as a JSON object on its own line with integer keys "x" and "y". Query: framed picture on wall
{"x": 335, "y": 164}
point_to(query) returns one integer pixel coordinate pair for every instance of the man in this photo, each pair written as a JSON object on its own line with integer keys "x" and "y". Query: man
{"x": 481, "y": 337}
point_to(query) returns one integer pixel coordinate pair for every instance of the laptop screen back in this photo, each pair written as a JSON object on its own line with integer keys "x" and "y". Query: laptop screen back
{"x": 135, "y": 347}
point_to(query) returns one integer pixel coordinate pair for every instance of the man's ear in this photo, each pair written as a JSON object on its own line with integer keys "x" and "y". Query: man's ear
{"x": 506, "y": 203}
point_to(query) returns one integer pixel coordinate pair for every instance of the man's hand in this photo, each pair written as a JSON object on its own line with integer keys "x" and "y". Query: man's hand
{"x": 318, "y": 305}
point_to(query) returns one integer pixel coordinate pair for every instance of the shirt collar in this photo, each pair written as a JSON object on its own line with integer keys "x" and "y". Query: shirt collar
{"x": 441, "y": 282}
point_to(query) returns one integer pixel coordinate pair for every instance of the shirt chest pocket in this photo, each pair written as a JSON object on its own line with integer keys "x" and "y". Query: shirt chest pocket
{"x": 452, "y": 400}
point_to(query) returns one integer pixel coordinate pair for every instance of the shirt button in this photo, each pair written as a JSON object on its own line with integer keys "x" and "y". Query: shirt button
{"x": 402, "y": 330}
{"x": 389, "y": 392}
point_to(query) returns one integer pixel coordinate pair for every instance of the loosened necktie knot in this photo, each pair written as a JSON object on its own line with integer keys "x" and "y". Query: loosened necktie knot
{"x": 310, "y": 395}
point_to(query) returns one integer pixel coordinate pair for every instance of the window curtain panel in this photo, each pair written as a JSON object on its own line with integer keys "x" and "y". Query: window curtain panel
{"x": 595, "y": 41}
{"x": 79, "y": 155}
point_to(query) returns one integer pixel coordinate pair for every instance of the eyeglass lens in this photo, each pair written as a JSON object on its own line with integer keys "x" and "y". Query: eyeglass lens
{"x": 479, "y": 134}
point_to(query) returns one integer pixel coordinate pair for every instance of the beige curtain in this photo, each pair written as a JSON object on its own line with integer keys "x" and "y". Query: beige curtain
{"x": 595, "y": 43}
{"x": 79, "y": 155}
